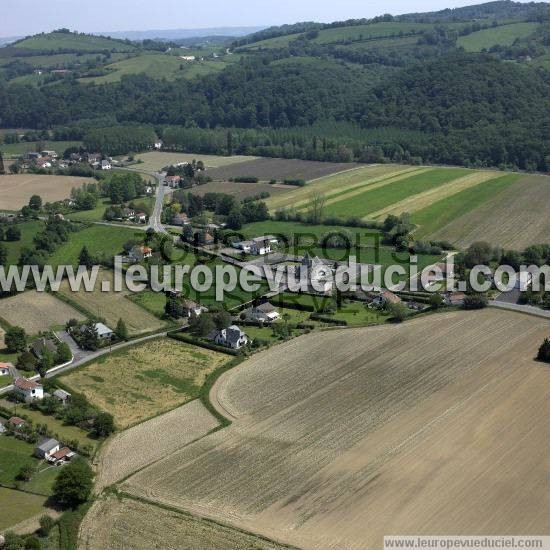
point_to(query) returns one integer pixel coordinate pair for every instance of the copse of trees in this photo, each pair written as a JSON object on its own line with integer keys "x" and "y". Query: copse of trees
{"x": 118, "y": 140}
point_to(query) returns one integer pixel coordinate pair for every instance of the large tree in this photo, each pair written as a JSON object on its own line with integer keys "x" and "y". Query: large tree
{"x": 73, "y": 485}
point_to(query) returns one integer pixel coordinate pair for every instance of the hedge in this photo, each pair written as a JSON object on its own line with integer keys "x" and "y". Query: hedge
{"x": 292, "y": 305}
{"x": 331, "y": 320}
{"x": 201, "y": 343}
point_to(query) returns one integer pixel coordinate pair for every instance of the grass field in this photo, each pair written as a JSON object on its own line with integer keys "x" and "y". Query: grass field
{"x": 113, "y": 306}
{"x": 514, "y": 218}
{"x": 407, "y": 429}
{"x": 503, "y": 36}
{"x": 74, "y": 42}
{"x": 102, "y": 241}
{"x": 18, "y": 149}
{"x": 16, "y": 190}
{"x": 267, "y": 169}
{"x": 124, "y": 523}
{"x": 18, "y": 506}
{"x": 155, "y": 161}
{"x": 146, "y": 380}
{"x": 28, "y": 231}
{"x": 37, "y": 311}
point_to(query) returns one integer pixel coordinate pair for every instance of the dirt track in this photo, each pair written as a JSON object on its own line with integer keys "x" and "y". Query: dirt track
{"x": 435, "y": 426}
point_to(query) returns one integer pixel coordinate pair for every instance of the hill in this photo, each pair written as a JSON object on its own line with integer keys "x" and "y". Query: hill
{"x": 66, "y": 41}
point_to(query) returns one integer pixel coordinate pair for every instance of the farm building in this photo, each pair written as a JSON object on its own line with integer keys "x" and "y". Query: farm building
{"x": 46, "y": 448}
{"x": 106, "y": 165}
{"x": 265, "y": 313}
{"x": 62, "y": 396}
{"x": 232, "y": 337}
{"x": 260, "y": 246}
{"x": 172, "y": 181}
{"x": 5, "y": 369}
{"x": 29, "y": 390}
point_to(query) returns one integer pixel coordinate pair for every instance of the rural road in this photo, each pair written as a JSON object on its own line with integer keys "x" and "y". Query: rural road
{"x": 531, "y": 310}
{"x": 156, "y": 216}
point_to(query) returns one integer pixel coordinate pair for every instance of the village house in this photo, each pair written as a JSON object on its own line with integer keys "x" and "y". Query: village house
{"x": 264, "y": 313}
{"x": 103, "y": 331}
{"x": 317, "y": 272}
{"x": 32, "y": 155}
{"x": 5, "y": 369}
{"x": 51, "y": 154}
{"x": 44, "y": 162}
{"x": 46, "y": 448}
{"x": 62, "y": 396}
{"x": 207, "y": 238}
{"x": 158, "y": 144}
{"x": 232, "y": 337}
{"x": 180, "y": 219}
{"x": 260, "y": 246}
{"x": 140, "y": 217}
{"x": 140, "y": 253}
{"x": 128, "y": 213}
{"x": 63, "y": 455}
{"x": 245, "y": 246}
{"x": 106, "y": 165}
{"x": 28, "y": 390}
{"x": 16, "y": 423}
{"x": 172, "y": 181}
{"x": 190, "y": 308}
{"x": 42, "y": 344}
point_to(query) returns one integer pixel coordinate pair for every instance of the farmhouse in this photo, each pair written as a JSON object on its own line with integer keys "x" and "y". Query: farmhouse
{"x": 62, "y": 396}
{"x": 180, "y": 219}
{"x": 190, "y": 308}
{"x": 318, "y": 272}
{"x": 158, "y": 144}
{"x": 28, "y": 389}
{"x": 128, "y": 213}
{"x": 172, "y": 181}
{"x": 141, "y": 217}
{"x": 62, "y": 455}
{"x": 46, "y": 448}
{"x": 106, "y": 165}
{"x": 385, "y": 297}
{"x": 260, "y": 246}
{"x": 455, "y": 298}
{"x": 232, "y": 337}
{"x": 5, "y": 369}
{"x": 265, "y": 313}
{"x": 51, "y": 154}
{"x": 245, "y": 246}
{"x": 140, "y": 253}
{"x": 103, "y": 331}
{"x": 40, "y": 346}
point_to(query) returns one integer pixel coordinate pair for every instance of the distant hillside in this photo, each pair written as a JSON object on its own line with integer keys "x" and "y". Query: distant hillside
{"x": 181, "y": 34}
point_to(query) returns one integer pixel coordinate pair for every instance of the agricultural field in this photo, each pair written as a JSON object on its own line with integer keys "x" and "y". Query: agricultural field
{"x": 124, "y": 523}
{"x": 17, "y": 189}
{"x": 158, "y": 437}
{"x": 267, "y": 169}
{"x": 514, "y": 218}
{"x": 18, "y": 149}
{"x": 18, "y": 506}
{"x": 112, "y": 306}
{"x": 146, "y": 380}
{"x": 154, "y": 161}
{"x": 37, "y": 311}
{"x": 397, "y": 430}
{"x": 240, "y": 190}
{"x": 102, "y": 241}
{"x": 504, "y": 35}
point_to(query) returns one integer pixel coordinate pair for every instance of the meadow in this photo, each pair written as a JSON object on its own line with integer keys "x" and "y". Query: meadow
{"x": 383, "y": 427}
{"x": 19, "y": 149}
{"x": 17, "y": 189}
{"x": 146, "y": 380}
{"x": 37, "y": 311}
{"x": 28, "y": 231}
{"x": 504, "y": 35}
{"x": 19, "y": 506}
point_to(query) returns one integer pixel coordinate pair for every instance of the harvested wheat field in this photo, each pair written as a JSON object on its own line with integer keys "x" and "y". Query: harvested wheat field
{"x": 156, "y": 438}
{"x": 438, "y": 425}
{"x": 138, "y": 383}
{"x": 17, "y": 189}
{"x": 516, "y": 218}
{"x": 113, "y": 306}
{"x": 37, "y": 311}
{"x": 127, "y": 524}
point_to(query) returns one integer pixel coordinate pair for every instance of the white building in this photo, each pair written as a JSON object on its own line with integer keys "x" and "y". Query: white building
{"x": 232, "y": 337}
{"x": 317, "y": 272}
{"x": 265, "y": 313}
{"x": 29, "y": 390}
{"x": 106, "y": 165}
{"x": 46, "y": 448}
{"x": 5, "y": 369}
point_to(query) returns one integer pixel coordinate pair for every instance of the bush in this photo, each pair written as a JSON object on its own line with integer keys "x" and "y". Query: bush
{"x": 544, "y": 351}
{"x": 329, "y": 320}
{"x": 475, "y": 301}
{"x": 246, "y": 179}
{"x": 398, "y": 312}
{"x": 15, "y": 339}
{"x": 297, "y": 182}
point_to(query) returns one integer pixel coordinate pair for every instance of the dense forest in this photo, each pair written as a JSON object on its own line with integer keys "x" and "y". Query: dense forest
{"x": 427, "y": 102}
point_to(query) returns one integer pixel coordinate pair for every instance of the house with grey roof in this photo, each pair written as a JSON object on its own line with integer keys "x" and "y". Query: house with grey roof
{"x": 232, "y": 337}
{"x": 265, "y": 313}
{"x": 47, "y": 447}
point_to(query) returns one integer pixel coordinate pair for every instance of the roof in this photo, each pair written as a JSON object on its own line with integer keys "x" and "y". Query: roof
{"x": 143, "y": 249}
{"x": 5, "y": 365}
{"x": 61, "y": 394}
{"x": 102, "y": 329}
{"x": 48, "y": 444}
{"x": 260, "y": 239}
{"x": 190, "y": 304}
{"x": 266, "y": 308}
{"x": 141, "y": 214}
{"x": 62, "y": 453}
{"x": 16, "y": 421}
{"x": 26, "y": 384}
{"x": 233, "y": 334}
{"x": 391, "y": 297}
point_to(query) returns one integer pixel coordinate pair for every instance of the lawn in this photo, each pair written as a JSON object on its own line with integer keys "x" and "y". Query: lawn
{"x": 372, "y": 200}
{"x": 94, "y": 215}
{"x": 356, "y": 314}
{"x": 17, "y": 149}
{"x": 5, "y": 380}
{"x": 101, "y": 240}
{"x": 146, "y": 380}
{"x": 18, "y": 506}
{"x": 440, "y": 213}
{"x": 504, "y": 35}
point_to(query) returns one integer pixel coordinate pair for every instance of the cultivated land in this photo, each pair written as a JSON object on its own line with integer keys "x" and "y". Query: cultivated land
{"x": 514, "y": 218}
{"x": 155, "y": 161}
{"x": 158, "y": 438}
{"x": 37, "y": 311}
{"x": 112, "y": 306}
{"x": 124, "y": 523}
{"x": 267, "y": 169}
{"x": 437, "y": 425}
{"x": 146, "y": 380}
{"x": 17, "y": 189}
{"x": 240, "y": 190}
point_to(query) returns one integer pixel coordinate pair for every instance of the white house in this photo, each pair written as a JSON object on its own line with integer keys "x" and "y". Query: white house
{"x": 5, "y": 369}
{"x": 46, "y": 448}
{"x": 141, "y": 217}
{"x": 3, "y": 428}
{"x": 188, "y": 57}
{"x": 158, "y": 144}
{"x": 232, "y": 337}
{"x": 190, "y": 308}
{"x": 317, "y": 272}
{"x": 29, "y": 390}
{"x": 140, "y": 253}
{"x": 106, "y": 165}
{"x": 103, "y": 331}
{"x": 266, "y": 313}
{"x": 260, "y": 246}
